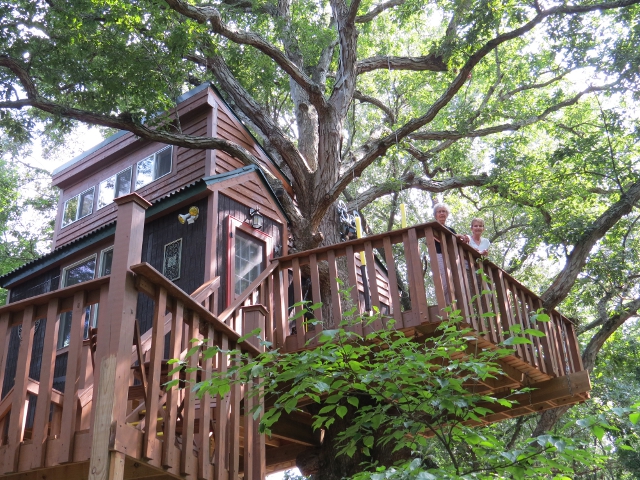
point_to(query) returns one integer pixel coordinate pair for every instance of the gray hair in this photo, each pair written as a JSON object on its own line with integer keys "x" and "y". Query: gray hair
{"x": 440, "y": 205}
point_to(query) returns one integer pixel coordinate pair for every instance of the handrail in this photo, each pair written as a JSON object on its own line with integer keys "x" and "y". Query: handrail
{"x": 233, "y": 306}
{"x": 155, "y": 277}
{"x": 43, "y": 299}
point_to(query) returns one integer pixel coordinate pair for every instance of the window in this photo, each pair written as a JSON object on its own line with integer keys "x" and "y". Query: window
{"x": 249, "y": 261}
{"x": 78, "y": 207}
{"x": 153, "y": 167}
{"x": 114, "y": 187}
{"x": 79, "y": 272}
{"x": 172, "y": 258}
{"x": 106, "y": 258}
{"x": 248, "y": 254}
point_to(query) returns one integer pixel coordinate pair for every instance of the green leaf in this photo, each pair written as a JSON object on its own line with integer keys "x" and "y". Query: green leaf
{"x": 517, "y": 341}
{"x": 534, "y": 332}
{"x": 368, "y": 441}
{"x": 341, "y": 411}
{"x": 353, "y": 401}
{"x": 598, "y": 431}
{"x": 634, "y": 417}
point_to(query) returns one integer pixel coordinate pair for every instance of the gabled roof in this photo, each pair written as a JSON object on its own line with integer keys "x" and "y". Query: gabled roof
{"x": 164, "y": 203}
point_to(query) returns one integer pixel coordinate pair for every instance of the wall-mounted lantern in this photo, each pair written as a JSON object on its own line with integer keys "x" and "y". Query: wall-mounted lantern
{"x": 190, "y": 217}
{"x": 257, "y": 220}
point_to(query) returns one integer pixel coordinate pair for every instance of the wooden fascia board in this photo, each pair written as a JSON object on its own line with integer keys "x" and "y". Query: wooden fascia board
{"x": 237, "y": 180}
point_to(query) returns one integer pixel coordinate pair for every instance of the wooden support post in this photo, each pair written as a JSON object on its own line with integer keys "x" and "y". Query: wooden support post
{"x": 5, "y": 335}
{"x": 116, "y": 333}
{"x": 234, "y": 426}
{"x": 16, "y": 422}
{"x": 254, "y": 317}
{"x": 249, "y": 400}
{"x": 280, "y": 309}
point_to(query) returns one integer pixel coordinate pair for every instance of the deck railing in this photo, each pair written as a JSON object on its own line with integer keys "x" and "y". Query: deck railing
{"x": 415, "y": 292}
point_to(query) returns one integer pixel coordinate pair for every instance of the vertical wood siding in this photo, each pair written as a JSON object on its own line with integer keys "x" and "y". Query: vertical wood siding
{"x": 228, "y": 206}
{"x": 163, "y": 231}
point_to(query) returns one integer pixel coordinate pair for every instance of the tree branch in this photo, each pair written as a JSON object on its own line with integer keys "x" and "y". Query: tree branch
{"x": 431, "y": 63}
{"x": 564, "y": 281}
{"x": 287, "y": 150}
{"x": 212, "y": 16}
{"x": 409, "y": 180}
{"x": 391, "y": 118}
{"x": 377, "y": 10}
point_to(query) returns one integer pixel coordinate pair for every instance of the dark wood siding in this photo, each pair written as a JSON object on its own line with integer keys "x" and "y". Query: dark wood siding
{"x": 167, "y": 229}
{"x": 228, "y": 206}
{"x": 43, "y": 283}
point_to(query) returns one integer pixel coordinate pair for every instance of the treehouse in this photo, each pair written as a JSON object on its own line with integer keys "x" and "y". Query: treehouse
{"x": 155, "y": 245}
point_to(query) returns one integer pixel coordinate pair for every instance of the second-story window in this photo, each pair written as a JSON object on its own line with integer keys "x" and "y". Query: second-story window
{"x": 79, "y": 272}
{"x": 78, "y": 207}
{"x": 153, "y": 167}
{"x": 114, "y": 187}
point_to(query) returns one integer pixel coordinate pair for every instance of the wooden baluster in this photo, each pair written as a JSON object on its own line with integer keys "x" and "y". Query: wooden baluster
{"x": 435, "y": 268}
{"x": 280, "y": 310}
{"x": 565, "y": 343}
{"x": 396, "y": 309}
{"x": 521, "y": 316}
{"x": 373, "y": 285}
{"x": 460, "y": 282}
{"x": 473, "y": 290}
{"x": 492, "y": 301}
{"x": 5, "y": 335}
{"x": 43, "y": 405}
{"x": 18, "y": 405}
{"x": 269, "y": 321}
{"x": 315, "y": 298}
{"x": 547, "y": 342}
{"x": 557, "y": 344}
{"x": 234, "y": 424}
{"x": 503, "y": 304}
{"x": 259, "y": 440}
{"x": 248, "y": 430}
{"x": 187, "y": 458}
{"x": 297, "y": 298}
{"x": 355, "y": 292}
{"x": 447, "y": 268}
{"x": 150, "y": 442}
{"x": 169, "y": 454}
{"x": 204, "y": 414}
{"x": 523, "y": 350}
{"x": 70, "y": 402}
{"x": 221, "y": 415}
{"x": 336, "y": 309}
{"x": 536, "y": 349}
{"x": 574, "y": 348}
{"x": 415, "y": 277}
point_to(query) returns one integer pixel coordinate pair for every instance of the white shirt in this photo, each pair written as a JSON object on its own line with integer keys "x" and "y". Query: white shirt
{"x": 484, "y": 244}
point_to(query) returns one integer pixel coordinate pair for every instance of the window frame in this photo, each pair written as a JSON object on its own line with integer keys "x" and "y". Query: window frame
{"x": 63, "y": 279}
{"x": 155, "y": 159}
{"x": 164, "y": 259}
{"x": 90, "y": 313}
{"x": 78, "y": 196}
{"x": 98, "y": 207}
{"x": 233, "y": 224}
{"x": 103, "y": 252}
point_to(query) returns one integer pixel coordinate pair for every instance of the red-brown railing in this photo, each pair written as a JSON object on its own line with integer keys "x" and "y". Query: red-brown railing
{"x": 494, "y": 304}
{"x": 66, "y": 437}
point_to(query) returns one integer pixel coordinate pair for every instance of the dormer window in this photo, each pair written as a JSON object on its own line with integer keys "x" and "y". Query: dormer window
{"x": 78, "y": 207}
{"x": 153, "y": 167}
{"x": 114, "y": 187}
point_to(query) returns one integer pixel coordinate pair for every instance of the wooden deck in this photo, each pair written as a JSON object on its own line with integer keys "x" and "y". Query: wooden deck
{"x": 117, "y": 420}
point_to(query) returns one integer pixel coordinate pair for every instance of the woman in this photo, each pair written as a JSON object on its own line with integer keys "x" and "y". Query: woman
{"x": 475, "y": 240}
{"x": 441, "y": 212}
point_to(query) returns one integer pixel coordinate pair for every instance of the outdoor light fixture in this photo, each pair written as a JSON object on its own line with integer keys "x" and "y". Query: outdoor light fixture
{"x": 190, "y": 217}
{"x": 257, "y": 220}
